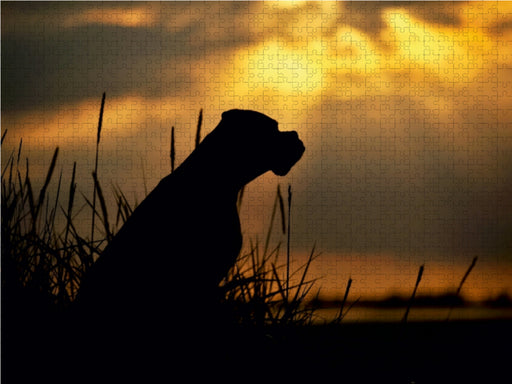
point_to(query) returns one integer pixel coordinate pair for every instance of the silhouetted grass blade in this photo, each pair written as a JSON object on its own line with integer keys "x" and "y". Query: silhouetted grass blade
{"x": 144, "y": 181}
{"x": 463, "y": 280}
{"x": 124, "y": 210}
{"x": 100, "y": 120}
{"x": 473, "y": 262}
{"x": 103, "y": 206}
{"x": 54, "y": 209}
{"x": 19, "y": 151}
{"x": 409, "y": 304}
{"x": 71, "y": 200}
{"x": 42, "y": 193}
{"x": 271, "y": 225}
{"x": 281, "y": 209}
{"x": 172, "y": 151}
{"x": 345, "y": 296}
{"x": 289, "y": 238}
{"x": 304, "y": 273}
{"x": 98, "y": 137}
{"x": 198, "y": 131}
{"x": 30, "y": 196}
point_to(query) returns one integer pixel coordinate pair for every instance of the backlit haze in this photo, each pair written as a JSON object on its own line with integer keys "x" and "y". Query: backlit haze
{"x": 405, "y": 110}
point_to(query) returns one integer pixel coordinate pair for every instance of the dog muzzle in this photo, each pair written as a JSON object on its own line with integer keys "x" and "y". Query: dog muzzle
{"x": 288, "y": 151}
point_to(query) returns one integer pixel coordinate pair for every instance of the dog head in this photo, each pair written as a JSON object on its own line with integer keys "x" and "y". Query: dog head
{"x": 260, "y": 143}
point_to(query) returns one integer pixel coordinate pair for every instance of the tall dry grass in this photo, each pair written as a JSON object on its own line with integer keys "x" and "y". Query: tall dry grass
{"x": 43, "y": 261}
{"x": 38, "y": 257}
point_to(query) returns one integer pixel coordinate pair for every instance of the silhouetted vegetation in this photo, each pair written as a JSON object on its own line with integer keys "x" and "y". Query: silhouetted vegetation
{"x": 46, "y": 254}
{"x": 49, "y": 262}
{"x": 43, "y": 264}
{"x": 46, "y": 263}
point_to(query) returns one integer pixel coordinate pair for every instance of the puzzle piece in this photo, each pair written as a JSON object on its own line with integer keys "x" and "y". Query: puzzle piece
{"x": 404, "y": 109}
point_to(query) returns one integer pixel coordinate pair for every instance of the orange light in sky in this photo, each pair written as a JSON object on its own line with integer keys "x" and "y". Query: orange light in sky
{"x": 303, "y": 59}
{"x": 430, "y": 83}
{"x": 141, "y": 16}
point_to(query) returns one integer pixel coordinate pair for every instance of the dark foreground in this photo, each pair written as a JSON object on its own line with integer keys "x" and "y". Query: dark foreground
{"x": 440, "y": 352}
{"x": 433, "y": 352}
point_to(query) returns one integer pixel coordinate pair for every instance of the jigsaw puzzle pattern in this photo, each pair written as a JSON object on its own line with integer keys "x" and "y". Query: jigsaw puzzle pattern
{"x": 404, "y": 109}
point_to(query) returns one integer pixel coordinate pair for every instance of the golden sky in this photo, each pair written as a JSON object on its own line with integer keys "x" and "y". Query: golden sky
{"x": 405, "y": 109}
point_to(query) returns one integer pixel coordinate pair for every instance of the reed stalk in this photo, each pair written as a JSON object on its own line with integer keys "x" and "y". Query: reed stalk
{"x": 172, "y": 152}
{"x": 103, "y": 206}
{"x": 144, "y": 181}
{"x": 42, "y": 193}
{"x": 462, "y": 281}
{"x": 71, "y": 200}
{"x": 288, "y": 241}
{"x": 278, "y": 201}
{"x": 98, "y": 138}
{"x": 19, "y": 151}
{"x": 409, "y": 304}
{"x": 198, "y": 130}
{"x": 340, "y": 315}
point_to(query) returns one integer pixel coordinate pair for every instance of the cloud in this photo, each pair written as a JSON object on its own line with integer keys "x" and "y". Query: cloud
{"x": 137, "y": 16}
{"x": 85, "y": 61}
{"x": 59, "y": 54}
{"x": 404, "y": 107}
{"x": 368, "y": 18}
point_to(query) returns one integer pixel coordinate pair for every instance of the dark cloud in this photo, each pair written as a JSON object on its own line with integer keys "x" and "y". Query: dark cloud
{"x": 498, "y": 29}
{"x": 45, "y": 63}
{"x": 83, "y": 62}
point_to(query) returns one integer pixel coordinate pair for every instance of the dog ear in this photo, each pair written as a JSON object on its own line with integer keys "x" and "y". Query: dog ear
{"x": 247, "y": 117}
{"x": 232, "y": 114}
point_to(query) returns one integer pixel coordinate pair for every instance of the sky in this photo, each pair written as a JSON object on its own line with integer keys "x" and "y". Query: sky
{"x": 405, "y": 109}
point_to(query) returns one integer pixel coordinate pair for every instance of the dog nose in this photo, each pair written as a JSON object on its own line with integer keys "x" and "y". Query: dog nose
{"x": 292, "y": 133}
{"x": 296, "y": 137}
{"x": 293, "y": 136}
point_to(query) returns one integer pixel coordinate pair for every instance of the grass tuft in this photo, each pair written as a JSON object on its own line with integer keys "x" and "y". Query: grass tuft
{"x": 49, "y": 175}
{"x": 51, "y": 259}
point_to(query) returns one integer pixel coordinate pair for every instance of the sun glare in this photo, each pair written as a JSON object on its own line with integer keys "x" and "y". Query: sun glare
{"x": 274, "y": 66}
{"x": 349, "y": 62}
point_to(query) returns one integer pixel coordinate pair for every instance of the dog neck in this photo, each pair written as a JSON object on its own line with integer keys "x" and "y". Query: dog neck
{"x": 219, "y": 176}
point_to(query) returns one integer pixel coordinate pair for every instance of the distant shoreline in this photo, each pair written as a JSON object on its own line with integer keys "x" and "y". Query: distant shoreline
{"x": 364, "y": 314}
{"x": 424, "y": 308}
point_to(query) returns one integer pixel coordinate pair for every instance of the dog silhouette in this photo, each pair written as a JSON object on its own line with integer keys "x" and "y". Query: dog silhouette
{"x": 162, "y": 270}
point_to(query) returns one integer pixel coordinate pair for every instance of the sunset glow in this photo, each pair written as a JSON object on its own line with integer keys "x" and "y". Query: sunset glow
{"x": 405, "y": 111}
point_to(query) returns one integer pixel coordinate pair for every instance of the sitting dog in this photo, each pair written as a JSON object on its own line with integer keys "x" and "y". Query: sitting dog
{"x": 168, "y": 259}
